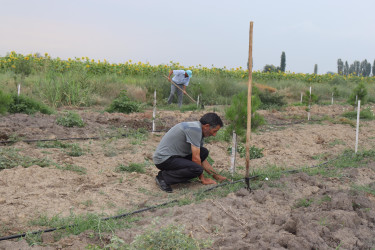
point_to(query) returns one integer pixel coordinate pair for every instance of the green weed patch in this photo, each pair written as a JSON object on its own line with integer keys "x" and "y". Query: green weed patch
{"x": 70, "y": 119}
{"x": 132, "y": 167}
{"x": 10, "y": 158}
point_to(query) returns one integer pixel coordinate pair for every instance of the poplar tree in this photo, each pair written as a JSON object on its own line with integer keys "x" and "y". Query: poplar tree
{"x": 368, "y": 69}
{"x": 283, "y": 62}
{"x": 362, "y": 68}
{"x": 316, "y": 69}
{"x": 340, "y": 67}
{"x": 346, "y": 68}
{"x": 357, "y": 67}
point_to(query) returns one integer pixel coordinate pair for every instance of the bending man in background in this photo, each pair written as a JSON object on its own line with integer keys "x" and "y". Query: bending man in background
{"x": 181, "y": 78}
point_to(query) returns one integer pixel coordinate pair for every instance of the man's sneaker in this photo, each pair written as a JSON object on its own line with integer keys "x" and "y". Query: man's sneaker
{"x": 163, "y": 185}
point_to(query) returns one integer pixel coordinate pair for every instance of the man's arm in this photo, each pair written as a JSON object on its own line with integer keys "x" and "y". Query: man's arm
{"x": 196, "y": 157}
{"x": 169, "y": 76}
{"x": 209, "y": 169}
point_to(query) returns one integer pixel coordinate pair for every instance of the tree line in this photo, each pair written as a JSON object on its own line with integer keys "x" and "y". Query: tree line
{"x": 273, "y": 68}
{"x": 356, "y": 68}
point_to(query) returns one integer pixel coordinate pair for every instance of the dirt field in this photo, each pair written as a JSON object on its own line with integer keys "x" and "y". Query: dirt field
{"x": 267, "y": 218}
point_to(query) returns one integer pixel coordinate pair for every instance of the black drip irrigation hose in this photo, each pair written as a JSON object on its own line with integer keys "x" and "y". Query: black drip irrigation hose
{"x": 67, "y": 139}
{"x": 60, "y": 139}
{"x": 164, "y": 204}
{"x": 104, "y": 219}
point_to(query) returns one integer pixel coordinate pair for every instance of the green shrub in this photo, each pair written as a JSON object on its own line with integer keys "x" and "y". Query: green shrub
{"x": 226, "y": 88}
{"x": 335, "y": 92}
{"x": 271, "y": 100}
{"x": 358, "y": 93}
{"x": 123, "y": 104}
{"x": 254, "y": 151}
{"x": 365, "y": 114}
{"x": 306, "y": 98}
{"x": 237, "y": 114}
{"x": 24, "y": 104}
{"x": 70, "y": 119}
{"x": 5, "y": 101}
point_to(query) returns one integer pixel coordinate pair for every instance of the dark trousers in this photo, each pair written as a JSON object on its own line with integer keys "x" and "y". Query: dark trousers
{"x": 180, "y": 94}
{"x": 178, "y": 169}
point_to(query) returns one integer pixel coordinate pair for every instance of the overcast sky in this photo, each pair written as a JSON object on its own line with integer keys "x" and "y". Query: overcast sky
{"x": 206, "y": 32}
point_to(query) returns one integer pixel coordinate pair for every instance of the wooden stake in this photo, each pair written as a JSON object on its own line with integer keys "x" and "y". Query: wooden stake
{"x": 248, "y": 130}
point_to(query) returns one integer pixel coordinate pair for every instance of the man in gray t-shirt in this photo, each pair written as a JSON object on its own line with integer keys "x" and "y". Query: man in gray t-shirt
{"x": 181, "y": 156}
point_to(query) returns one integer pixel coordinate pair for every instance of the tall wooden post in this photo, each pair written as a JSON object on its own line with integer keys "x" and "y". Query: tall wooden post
{"x": 154, "y": 113}
{"x": 248, "y": 130}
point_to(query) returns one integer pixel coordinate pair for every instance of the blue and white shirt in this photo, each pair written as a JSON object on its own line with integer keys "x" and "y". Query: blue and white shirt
{"x": 179, "y": 77}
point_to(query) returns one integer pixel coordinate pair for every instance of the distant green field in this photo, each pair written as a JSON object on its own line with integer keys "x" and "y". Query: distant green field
{"x": 84, "y": 82}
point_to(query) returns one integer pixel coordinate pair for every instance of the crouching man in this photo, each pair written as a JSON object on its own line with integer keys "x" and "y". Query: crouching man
{"x": 180, "y": 156}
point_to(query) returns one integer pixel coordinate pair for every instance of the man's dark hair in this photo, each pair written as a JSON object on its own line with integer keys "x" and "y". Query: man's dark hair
{"x": 211, "y": 118}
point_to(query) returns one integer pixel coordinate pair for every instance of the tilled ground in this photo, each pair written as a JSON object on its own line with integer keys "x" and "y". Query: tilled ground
{"x": 266, "y": 218}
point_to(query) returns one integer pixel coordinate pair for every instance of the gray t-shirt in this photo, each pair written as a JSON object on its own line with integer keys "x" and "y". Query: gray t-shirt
{"x": 178, "y": 140}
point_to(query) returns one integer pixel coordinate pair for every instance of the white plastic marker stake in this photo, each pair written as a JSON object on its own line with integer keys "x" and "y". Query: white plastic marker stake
{"x": 356, "y": 99}
{"x": 234, "y": 152}
{"x": 308, "y": 114}
{"x": 154, "y": 113}
{"x": 332, "y": 99}
{"x": 198, "y": 101}
{"x": 19, "y": 89}
{"x": 357, "y": 131}
{"x": 301, "y": 96}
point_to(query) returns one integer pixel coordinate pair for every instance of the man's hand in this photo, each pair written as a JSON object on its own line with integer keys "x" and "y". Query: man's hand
{"x": 184, "y": 91}
{"x": 207, "y": 181}
{"x": 219, "y": 178}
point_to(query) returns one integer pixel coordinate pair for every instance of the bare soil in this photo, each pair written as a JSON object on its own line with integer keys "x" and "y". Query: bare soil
{"x": 267, "y": 218}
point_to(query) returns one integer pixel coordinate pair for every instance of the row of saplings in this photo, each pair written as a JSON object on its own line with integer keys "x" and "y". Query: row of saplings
{"x": 236, "y": 113}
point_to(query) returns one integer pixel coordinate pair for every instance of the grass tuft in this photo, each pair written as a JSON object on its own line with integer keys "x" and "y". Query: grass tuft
{"x": 132, "y": 167}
